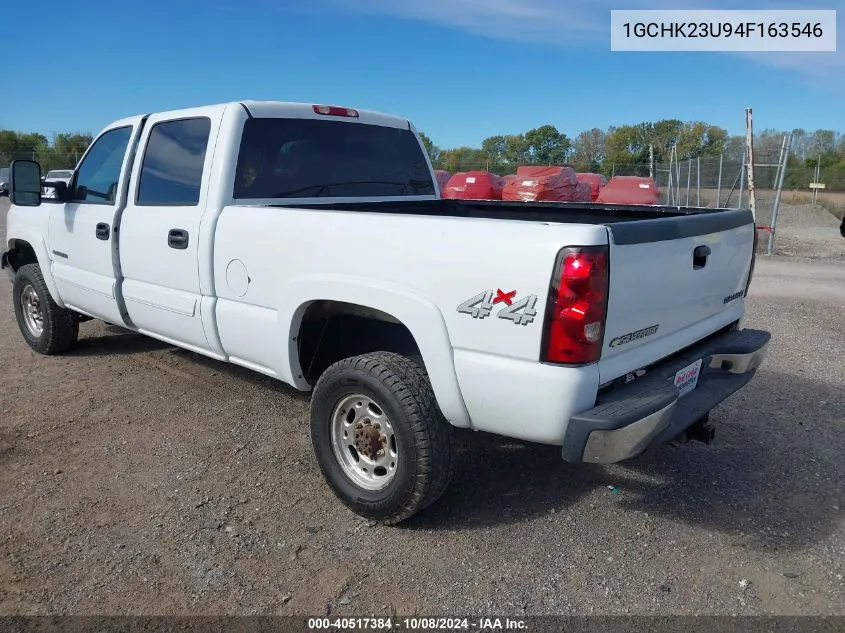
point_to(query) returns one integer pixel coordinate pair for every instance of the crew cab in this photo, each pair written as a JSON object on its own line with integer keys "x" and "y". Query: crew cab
{"x": 310, "y": 243}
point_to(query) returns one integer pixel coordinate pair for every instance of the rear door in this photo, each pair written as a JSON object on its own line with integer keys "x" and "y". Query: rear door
{"x": 159, "y": 230}
{"x": 82, "y": 241}
{"x": 673, "y": 281}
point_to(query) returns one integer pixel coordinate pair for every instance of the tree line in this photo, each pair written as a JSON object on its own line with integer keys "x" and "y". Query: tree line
{"x": 61, "y": 152}
{"x": 595, "y": 150}
{"x": 605, "y": 151}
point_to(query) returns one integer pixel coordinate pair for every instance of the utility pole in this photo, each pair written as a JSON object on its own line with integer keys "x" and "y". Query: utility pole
{"x": 816, "y": 179}
{"x": 749, "y": 142}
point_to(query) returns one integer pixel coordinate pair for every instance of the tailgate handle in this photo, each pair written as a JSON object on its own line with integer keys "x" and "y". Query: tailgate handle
{"x": 699, "y": 257}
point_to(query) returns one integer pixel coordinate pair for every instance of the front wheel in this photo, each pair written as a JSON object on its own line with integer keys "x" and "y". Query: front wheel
{"x": 46, "y": 327}
{"x": 379, "y": 437}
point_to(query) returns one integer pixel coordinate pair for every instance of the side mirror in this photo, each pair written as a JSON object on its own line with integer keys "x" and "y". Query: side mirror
{"x": 25, "y": 183}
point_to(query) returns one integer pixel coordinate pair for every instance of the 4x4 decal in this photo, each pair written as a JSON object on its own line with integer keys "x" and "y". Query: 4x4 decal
{"x": 520, "y": 312}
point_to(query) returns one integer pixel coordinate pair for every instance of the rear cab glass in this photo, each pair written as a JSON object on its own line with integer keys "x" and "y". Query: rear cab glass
{"x": 305, "y": 158}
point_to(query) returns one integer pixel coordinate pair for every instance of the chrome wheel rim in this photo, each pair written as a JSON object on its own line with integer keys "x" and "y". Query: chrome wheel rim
{"x": 363, "y": 442}
{"x": 33, "y": 317}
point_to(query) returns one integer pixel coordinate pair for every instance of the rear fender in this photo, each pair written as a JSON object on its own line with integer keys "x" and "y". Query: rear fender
{"x": 422, "y": 318}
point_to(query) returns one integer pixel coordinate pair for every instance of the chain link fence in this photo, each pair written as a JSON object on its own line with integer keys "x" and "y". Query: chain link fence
{"x": 720, "y": 182}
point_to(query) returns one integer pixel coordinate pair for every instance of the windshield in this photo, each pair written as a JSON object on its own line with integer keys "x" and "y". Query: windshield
{"x": 4, "y": 173}
{"x": 59, "y": 174}
{"x": 301, "y": 158}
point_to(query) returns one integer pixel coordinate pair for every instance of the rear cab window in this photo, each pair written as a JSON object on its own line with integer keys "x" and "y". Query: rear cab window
{"x": 312, "y": 158}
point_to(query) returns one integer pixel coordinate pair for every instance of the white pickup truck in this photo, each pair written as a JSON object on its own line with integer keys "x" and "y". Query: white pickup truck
{"x": 309, "y": 243}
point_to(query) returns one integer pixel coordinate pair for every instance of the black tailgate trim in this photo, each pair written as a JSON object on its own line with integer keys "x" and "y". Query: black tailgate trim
{"x": 673, "y": 228}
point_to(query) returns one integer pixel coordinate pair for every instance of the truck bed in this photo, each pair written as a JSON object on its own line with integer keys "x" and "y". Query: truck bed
{"x": 662, "y": 297}
{"x": 629, "y": 224}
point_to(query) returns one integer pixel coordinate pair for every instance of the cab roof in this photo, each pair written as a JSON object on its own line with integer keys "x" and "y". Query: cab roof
{"x": 281, "y": 110}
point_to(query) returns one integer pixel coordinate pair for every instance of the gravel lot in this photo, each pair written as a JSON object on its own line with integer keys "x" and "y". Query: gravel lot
{"x": 806, "y": 231}
{"x": 137, "y": 478}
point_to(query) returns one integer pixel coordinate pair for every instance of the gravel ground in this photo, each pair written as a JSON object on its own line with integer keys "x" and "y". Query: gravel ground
{"x": 810, "y": 242}
{"x": 806, "y": 231}
{"x": 801, "y": 216}
{"x": 141, "y": 479}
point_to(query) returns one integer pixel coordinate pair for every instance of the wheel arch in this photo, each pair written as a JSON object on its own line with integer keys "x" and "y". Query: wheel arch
{"x": 421, "y": 317}
{"x": 25, "y": 247}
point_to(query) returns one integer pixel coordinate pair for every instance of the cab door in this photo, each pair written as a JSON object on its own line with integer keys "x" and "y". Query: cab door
{"x": 159, "y": 229}
{"x": 82, "y": 241}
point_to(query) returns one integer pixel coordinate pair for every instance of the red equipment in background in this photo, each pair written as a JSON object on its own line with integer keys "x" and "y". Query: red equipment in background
{"x": 474, "y": 185}
{"x": 630, "y": 190}
{"x": 442, "y": 177}
{"x": 597, "y": 182}
{"x": 549, "y": 184}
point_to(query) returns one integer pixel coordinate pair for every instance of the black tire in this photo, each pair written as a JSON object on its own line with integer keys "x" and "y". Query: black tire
{"x": 423, "y": 437}
{"x": 60, "y": 330}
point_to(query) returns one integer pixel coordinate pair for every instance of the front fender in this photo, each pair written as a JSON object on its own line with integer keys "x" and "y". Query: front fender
{"x": 39, "y": 247}
{"x": 422, "y": 318}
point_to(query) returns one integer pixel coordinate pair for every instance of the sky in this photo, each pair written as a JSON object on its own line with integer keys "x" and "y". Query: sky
{"x": 461, "y": 70}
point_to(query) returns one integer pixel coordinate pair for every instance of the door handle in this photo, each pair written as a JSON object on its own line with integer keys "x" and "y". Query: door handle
{"x": 177, "y": 238}
{"x": 102, "y": 231}
{"x": 699, "y": 257}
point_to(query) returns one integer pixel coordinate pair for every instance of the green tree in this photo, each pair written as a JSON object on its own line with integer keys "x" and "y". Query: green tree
{"x": 626, "y": 144}
{"x": 546, "y": 145}
{"x": 734, "y": 148}
{"x": 496, "y": 149}
{"x": 824, "y": 142}
{"x": 430, "y": 147}
{"x": 516, "y": 149}
{"x": 698, "y": 139}
{"x": 63, "y": 153}
{"x": 693, "y": 139}
{"x": 588, "y": 150}
{"x": 462, "y": 159}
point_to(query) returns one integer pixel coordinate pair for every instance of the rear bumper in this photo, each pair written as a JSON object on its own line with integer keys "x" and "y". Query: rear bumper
{"x": 649, "y": 410}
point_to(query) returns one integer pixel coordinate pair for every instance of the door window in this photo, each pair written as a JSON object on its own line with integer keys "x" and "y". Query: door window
{"x": 99, "y": 173}
{"x": 171, "y": 174}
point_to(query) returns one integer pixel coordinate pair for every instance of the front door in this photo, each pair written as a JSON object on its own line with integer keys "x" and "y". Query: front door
{"x": 160, "y": 240}
{"x": 81, "y": 236}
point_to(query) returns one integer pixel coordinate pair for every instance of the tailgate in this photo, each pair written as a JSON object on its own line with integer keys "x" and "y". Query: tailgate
{"x": 673, "y": 281}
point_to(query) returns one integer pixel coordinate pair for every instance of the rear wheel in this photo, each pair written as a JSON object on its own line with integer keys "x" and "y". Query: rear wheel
{"x": 46, "y": 327}
{"x": 379, "y": 437}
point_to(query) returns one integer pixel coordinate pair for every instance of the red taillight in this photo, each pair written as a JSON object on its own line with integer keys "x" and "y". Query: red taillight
{"x": 335, "y": 111}
{"x": 577, "y": 306}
